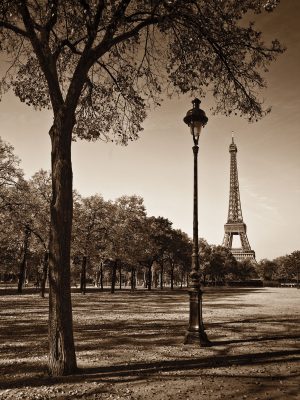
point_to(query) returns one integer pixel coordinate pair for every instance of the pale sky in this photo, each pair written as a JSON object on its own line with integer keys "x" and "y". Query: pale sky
{"x": 159, "y": 167}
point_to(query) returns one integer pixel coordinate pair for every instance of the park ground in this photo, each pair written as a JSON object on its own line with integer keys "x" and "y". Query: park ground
{"x": 130, "y": 346}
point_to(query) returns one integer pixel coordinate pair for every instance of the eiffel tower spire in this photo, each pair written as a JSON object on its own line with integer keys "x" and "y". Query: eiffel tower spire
{"x": 235, "y": 210}
{"x": 235, "y": 224}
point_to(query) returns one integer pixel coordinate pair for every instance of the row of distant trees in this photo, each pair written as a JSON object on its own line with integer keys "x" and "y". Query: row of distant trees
{"x": 284, "y": 269}
{"x": 113, "y": 242}
{"x": 107, "y": 236}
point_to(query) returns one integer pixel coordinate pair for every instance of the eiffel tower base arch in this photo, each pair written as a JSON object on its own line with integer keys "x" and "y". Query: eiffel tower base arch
{"x": 243, "y": 253}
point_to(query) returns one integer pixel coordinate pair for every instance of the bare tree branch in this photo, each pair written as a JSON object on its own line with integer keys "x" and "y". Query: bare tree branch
{"x": 14, "y": 28}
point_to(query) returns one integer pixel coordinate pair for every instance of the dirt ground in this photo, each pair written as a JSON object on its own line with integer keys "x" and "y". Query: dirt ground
{"x": 130, "y": 346}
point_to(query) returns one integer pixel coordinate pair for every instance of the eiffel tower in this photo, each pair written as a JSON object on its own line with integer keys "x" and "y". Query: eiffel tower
{"x": 235, "y": 224}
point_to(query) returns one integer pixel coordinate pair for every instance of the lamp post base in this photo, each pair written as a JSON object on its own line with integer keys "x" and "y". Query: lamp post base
{"x": 196, "y": 332}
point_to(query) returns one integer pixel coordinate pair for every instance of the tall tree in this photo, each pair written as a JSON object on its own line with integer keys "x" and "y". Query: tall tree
{"x": 288, "y": 267}
{"x": 156, "y": 234}
{"x": 160, "y": 240}
{"x": 217, "y": 264}
{"x": 295, "y": 260}
{"x": 97, "y": 64}
{"x": 91, "y": 224}
{"x": 40, "y": 185}
{"x": 126, "y": 233}
{"x": 10, "y": 245}
{"x": 205, "y": 254}
{"x": 178, "y": 254}
{"x": 28, "y": 205}
{"x": 10, "y": 173}
{"x": 267, "y": 269}
{"x": 10, "y": 177}
{"x": 247, "y": 269}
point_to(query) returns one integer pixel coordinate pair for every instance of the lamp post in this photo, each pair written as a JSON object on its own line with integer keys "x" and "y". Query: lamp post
{"x": 195, "y": 119}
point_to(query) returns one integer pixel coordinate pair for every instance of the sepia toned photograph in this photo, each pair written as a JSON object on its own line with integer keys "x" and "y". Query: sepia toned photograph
{"x": 149, "y": 199}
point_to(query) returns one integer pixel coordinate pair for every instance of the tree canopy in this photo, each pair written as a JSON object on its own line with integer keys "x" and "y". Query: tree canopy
{"x": 109, "y": 60}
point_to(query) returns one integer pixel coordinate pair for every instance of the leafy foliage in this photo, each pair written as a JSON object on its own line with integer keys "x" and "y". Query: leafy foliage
{"x": 111, "y": 60}
{"x": 10, "y": 173}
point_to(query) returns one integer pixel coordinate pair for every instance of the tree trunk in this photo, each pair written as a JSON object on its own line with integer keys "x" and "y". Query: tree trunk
{"x": 162, "y": 275}
{"x": 120, "y": 275}
{"x": 155, "y": 279}
{"x": 136, "y": 281}
{"x": 45, "y": 271}
{"x": 62, "y": 358}
{"x": 83, "y": 276}
{"x": 23, "y": 262}
{"x": 101, "y": 275}
{"x": 132, "y": 279}
{"x": 97, "y": 277}
{"x": 181, "y": 279}
{"x": 172, "y": 277}
{"x": 149, "y": 277}
{"x": 113, "y": 277}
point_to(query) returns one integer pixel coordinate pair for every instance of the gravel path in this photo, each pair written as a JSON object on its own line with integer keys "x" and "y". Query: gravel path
{"x": 129, "y": 346}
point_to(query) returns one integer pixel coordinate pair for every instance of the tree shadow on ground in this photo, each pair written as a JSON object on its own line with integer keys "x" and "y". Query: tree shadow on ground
{"x": 254, "y": 340}
{"x": 114, "y": 326}
{"x": 130, "y": 372}
{"x": 190, "y": 364}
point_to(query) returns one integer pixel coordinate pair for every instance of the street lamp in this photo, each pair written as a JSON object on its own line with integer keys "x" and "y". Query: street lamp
{"x": 195, "y": 119}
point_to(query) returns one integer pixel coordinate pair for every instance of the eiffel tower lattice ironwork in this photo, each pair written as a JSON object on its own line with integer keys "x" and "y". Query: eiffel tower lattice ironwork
{"x": 235, "y": 224}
